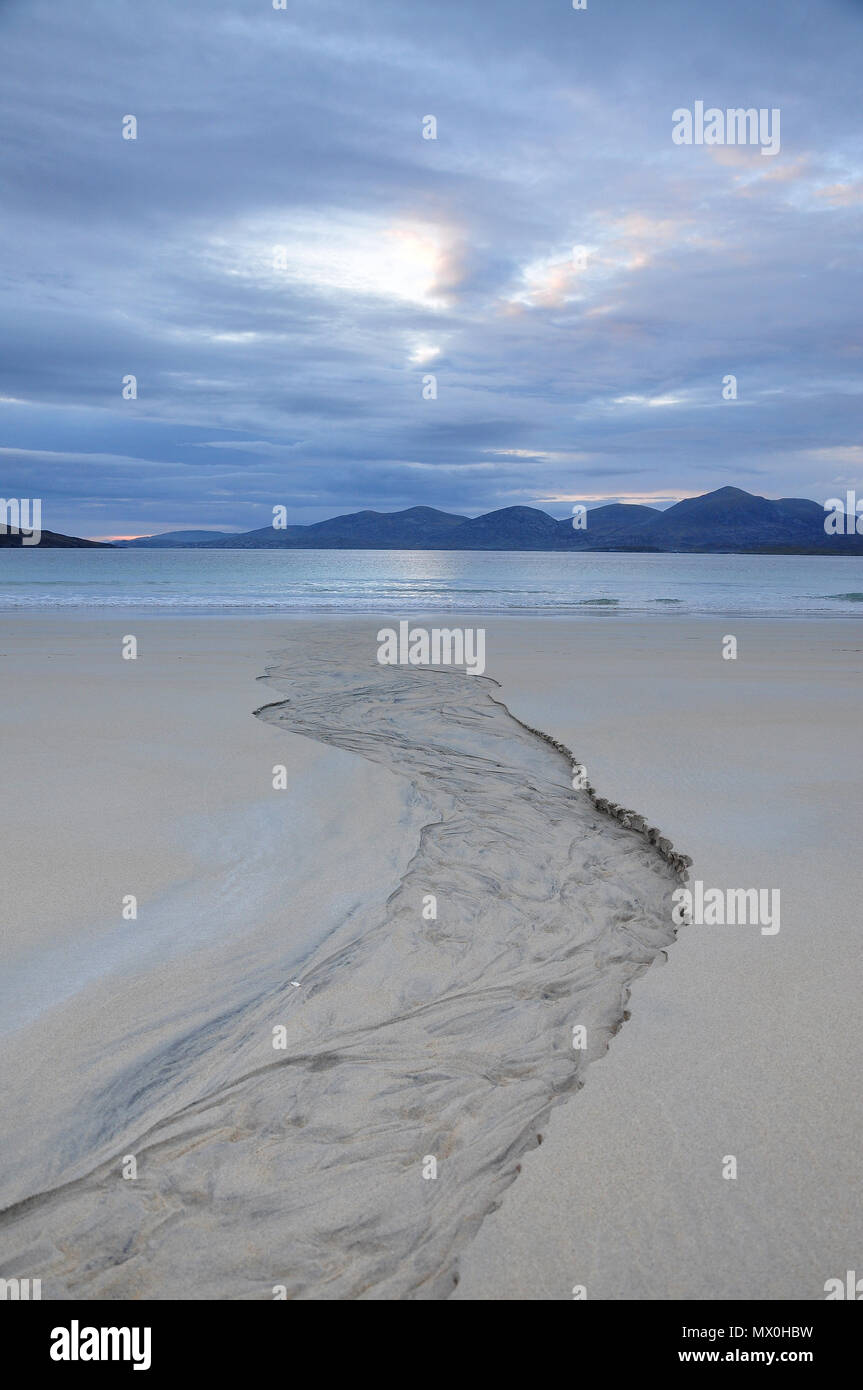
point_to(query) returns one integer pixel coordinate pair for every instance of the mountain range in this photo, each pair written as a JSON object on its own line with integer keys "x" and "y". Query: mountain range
{"x": 728, "y": 520}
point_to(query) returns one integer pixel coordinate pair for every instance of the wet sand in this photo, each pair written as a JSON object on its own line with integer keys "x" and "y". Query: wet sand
{"x": 408, "y": 1037}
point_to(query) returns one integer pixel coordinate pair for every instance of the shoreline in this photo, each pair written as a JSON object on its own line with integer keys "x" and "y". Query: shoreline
{"x": 588, "y": 613}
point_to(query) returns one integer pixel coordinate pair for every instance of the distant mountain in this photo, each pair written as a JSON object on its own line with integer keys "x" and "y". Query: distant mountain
{"x": 52, "y": 540}
{"x": 726, "y": 521}
{"x": 616, "y": 526}
{"x": 511, "y": 528}
{"x": 417, "y": 528}
{"x": 168, "y": 539}
{"x": 731, "y": 519}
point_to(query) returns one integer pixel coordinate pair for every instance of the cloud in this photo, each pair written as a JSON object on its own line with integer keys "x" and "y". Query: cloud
{"x": 842, "y": 195}
{"x": 281, "y": 257}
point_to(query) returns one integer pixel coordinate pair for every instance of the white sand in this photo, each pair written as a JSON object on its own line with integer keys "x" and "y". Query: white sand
{"x": 743, "y": 1044}
{"x": 153, "y": 777}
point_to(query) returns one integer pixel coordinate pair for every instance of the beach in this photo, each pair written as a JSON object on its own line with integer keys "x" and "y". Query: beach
{"x": 282, "y": 808}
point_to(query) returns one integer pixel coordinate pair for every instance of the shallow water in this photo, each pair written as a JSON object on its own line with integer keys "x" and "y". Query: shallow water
{"x": 406, "y": 581}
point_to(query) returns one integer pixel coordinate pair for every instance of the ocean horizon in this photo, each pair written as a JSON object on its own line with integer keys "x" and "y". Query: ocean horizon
{"x": 364, "y": 581}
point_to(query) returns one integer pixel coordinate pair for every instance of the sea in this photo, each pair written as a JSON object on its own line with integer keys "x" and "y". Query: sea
{"x": 404, "y": 581}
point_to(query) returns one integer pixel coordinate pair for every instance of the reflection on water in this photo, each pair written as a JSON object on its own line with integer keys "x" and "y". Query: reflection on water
{"x": 406, "y": 581}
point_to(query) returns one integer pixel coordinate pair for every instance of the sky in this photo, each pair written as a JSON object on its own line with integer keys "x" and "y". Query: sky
{"x": 281, "y": 260}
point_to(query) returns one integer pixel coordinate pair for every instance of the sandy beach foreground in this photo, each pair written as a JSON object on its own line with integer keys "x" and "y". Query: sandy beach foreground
{"x": 281, "y": 1040}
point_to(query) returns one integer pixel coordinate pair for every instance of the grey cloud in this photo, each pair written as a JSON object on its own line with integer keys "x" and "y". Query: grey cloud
{"x": 149, "y": 256}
